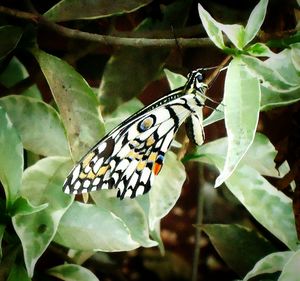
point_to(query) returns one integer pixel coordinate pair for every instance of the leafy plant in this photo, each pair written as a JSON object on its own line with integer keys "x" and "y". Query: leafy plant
{"x": 40, "y": 142}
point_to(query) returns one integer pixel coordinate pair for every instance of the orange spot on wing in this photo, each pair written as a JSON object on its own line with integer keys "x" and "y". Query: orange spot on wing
{"x": 156, "y": 168}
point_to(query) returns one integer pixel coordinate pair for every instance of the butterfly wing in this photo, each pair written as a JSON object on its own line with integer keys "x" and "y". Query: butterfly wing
{"x": 131, "y": 155}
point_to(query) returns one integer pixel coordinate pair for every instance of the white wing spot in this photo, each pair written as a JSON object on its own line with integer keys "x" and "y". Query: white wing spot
{"x": 96, "y": 181}
{"x": 86, "y": 183}
{"x": 77, "y": 185}
{"x": 75, "y": 174}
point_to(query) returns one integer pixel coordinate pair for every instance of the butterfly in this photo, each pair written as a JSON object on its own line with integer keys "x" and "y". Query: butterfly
{"x": 131, "y": 155}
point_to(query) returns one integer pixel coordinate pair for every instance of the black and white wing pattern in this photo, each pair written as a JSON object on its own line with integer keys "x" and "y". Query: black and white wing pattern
{"x": 132, "y": 154}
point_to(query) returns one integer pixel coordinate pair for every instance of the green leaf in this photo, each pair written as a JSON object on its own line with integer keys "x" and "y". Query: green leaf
{"x": 235, "y": 33}
{"x": 255, "y": 20}
{"x": 166, "y": 189}
{"x": 212, "y": 27}
{"x": 95, "y": 228}
{"x": 72, "y": 272}
{"x": 233, "y": 241}
{"x": 130, "y": 212}
{"x": 271, "y": 208}
{"x": 88, "y": 9}
{"x": 175, "y": 80}
{"x": 291, "y": 270}
{"x": 18, "y": 273}
{"x": 16, "y": 72}
{"x": 122, "y": 112}
{"x": 259, "y": 50}
{"x": 77, "y": 103}
{"x": 42, "y": 183}
{"x": 282, "y": 63}
{"x": 215, "y": 116}
{"x": 268, "y": 75}
{"x": 295, "y": 55}
{"x": 242, "y": 100}
{"x": 9, "y": 37}
{"x": 38, "y": 125}
{"x": 125, "y": 74}
{"x": 11, "y": 158}
{"x": 269, "y": 264}
{"x": 2, "y": 230}
{"x": 23, "y": 207}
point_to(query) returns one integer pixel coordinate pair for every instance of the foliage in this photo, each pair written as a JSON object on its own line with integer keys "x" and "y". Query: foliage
{"x": 40, "y": 141}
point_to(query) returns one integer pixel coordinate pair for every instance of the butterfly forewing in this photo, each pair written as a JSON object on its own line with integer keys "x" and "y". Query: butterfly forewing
{"x": 131, "y": 155}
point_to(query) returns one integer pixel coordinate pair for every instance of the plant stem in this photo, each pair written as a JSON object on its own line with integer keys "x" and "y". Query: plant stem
{"x": 199, "y": 220}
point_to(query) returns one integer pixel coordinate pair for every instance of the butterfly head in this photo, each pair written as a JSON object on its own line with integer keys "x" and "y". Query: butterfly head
{"x": 196, "y": 82}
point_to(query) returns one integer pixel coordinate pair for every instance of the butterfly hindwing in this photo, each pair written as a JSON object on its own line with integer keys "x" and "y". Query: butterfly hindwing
{"x": 131, "y": 155}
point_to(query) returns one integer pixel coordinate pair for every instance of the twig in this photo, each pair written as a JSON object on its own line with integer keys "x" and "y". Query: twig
{"x": 107, "y": 39}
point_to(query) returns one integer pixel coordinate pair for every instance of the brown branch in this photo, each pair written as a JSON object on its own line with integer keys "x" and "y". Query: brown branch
{"x": 107, "y": 39}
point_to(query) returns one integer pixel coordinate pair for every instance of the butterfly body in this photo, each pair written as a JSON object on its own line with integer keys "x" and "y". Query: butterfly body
{"x": 131, "y": 155}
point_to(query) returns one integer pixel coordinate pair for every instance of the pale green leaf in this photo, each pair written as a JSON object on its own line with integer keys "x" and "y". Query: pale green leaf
{"x": 130, "y": 212}
{"x": 291, "y": 270}
{"x": 295, "y": 55}
{"x": 271, "y": 208}
{"x": 90, "y": 227}
{"x": 175, "y": 80}
{"x": 212, "y": 27}
{"x": 42, "y": 183}
{"x": 11, "y": 158}
{"x": 235, "y": 33}
{"x": 38, "y": 124}
{"x": 166, "y": 189}
{"x": 269, "y": 76}
{"x": 242, "y": 100}
{"x": 77, "y": 103}
{"x": 259, "y": 50}
{"x": 255, "y": 20}
{"x": 269, "y": 264}
{"x": 72, "y": 272}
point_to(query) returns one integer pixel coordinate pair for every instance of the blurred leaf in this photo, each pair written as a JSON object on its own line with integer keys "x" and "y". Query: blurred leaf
{"x": 233, "y": 241}
{"x": 66, "y": 10}
{"x": 9, "y": 37}
{"x": 291, "y": 270}
{"x": 76, "y": 101}
{"x": 212, "y": 27}
{"x": 130, "y": 212}
{"x": 269, "y": 264}
{"x": 72, "y": 272}
{"x": 89, "y": 227}
{"x": 242, "y": 100}
{"x": 42, "y": 183}
{"x": 268, "y": 75}
{"x": 255, "y": 21}
{"x": 131, "y": 69}
{"x": 121, "y": 113}
{"x": 18, "y": 273}
{"x": 11, "y": 158}
{"x": 38, "y": 124}
{"x": 16, "y": 72}
{"x": 269, "y": 206}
